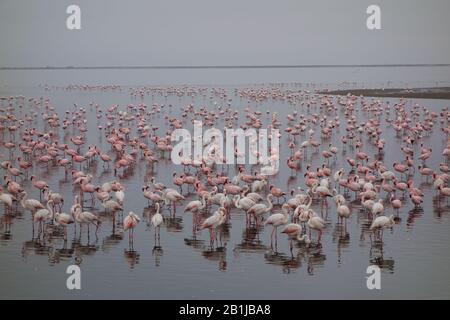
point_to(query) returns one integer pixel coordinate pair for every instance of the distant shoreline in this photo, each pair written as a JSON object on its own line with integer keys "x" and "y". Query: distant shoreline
{"x": 274, "y": 66}
{"x": 419, "y": 93}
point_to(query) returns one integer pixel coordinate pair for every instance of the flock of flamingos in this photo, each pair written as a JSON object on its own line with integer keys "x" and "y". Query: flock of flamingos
{"x": 30, "y": 131}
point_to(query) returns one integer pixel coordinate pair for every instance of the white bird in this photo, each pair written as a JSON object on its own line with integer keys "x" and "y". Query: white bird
{"x": 256, "y": 197}
{"x": 244, "y": 203}
{"x": 382, "y": 222}
{"x": 259, "y": 209}
{"x": 216, "y": 197}
{"x": 368, "y": 204}
{"x": 157, "y": 218}
{"x": 120, "y": 196}
{"x": 197, "y": 205}
{"x": 57, "y": 198}
{"x": 111, "y": 206}
{"x": 343, "y": 211}
{"x": 30, "y": 204}
{"x": 86, "y": 218}
{"x": 278, "y": 219}
{"x": 6, "y": 199}
{"x": 43, "y": 215}
{"x": 387, "y": 175}
{"x": 172, "y": 196}
{"x": 258, "y": 185}
{"x": 339, "y": 199}
{"x": 378, "y": 207}
{"x": 297, "y": 199}
{"x": 213, "y": 222}
{"x": 301, "y": 209}
{"x": 294, "y": 232}
{"x": 63, "y": 219}
{"x": 317, "y": 223}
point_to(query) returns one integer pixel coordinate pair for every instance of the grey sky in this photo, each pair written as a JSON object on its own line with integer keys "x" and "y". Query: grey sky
{"x": 205, "y": 32}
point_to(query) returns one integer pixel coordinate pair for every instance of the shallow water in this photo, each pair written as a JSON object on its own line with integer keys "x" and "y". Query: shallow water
{"x": 415, "y": 255}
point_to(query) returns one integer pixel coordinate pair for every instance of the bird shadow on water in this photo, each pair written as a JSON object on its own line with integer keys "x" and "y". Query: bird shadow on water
{"x": 131, "y": 256}
{"x": 309, "y": 254}
{"x": 342, "y": 239}
{"x": 215, "y": 252}
{"x": 376, "y": 257}
{"x": 5, "y": 227}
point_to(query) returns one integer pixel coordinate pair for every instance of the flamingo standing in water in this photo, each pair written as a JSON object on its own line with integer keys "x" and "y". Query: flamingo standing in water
{"x": 316, "y": 223}
{"x": 153, "y": 196}
{"x": 86, "y": 218}
{"x": 157, "y": 220}
{"x": 294, "y": 231}
{"x": 63, "y": 219}
{"x": 172, "y": 197}
{"x": 278, "y": 219}
{"x": 381, "y": 223}
{"x": 343, "y": 211}
{"x": 129, "y": 223}
{"x": 396, "y": 203}
{"x": 43, "y": 215}
{"x": 39, "y": 184}
{"x": 30, "y": 204}
{"x": 213, "y": 222}
{"x": 6, "y": 199}
{"x": 258, "y": 209}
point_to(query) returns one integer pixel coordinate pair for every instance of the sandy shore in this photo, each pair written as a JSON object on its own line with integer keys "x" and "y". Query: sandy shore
{"x": 424, "y": 93}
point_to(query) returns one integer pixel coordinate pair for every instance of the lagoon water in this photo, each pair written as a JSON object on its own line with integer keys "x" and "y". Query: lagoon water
{"x": 414, "y": 258}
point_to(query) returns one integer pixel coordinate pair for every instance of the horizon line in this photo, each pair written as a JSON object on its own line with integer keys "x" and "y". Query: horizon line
{"x": 274, "y": 66}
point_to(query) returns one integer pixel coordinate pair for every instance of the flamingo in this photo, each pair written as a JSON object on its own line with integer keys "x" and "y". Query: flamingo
{"x": 172, "y": 197}
{"x": 129, "y": 223}
{"x": 278, "y": 219}
{"x": 343, "y": 211}
{"x": 396, "y": 203}
{"x": 377, "y": 207}
{"x": 111, "y": 206}
{"x": 259, "y": 209}
{"x": 149, "y": 195}
{"x": 381, "y": 223}
{"x": 39, "y": 184}
{"x": 157, "y": 220}
{"x": 42, "y": 215}
{"x": 86, "y": 218}
{"x": 30, "y": 204}
{"x": 63, "y": 219}
{"x": 196, "y": 205}
{"x": 213, "y": 222}
{"x": 6, "y": 199}
{"x": 316, "y": 223}
{"x": 294, "y": 231}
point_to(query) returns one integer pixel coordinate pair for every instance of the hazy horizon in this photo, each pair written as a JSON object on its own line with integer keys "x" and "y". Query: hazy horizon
{"x": 200, "y": 32}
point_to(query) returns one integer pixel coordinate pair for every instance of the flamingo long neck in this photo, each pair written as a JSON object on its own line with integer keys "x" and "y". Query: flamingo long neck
{"x": 309, "y": 203}
{"x": 50, "y": 209}
{"x": 236, "y": 202}
{"x": 22, "y": 202}
{"x": 269, "y": 199}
